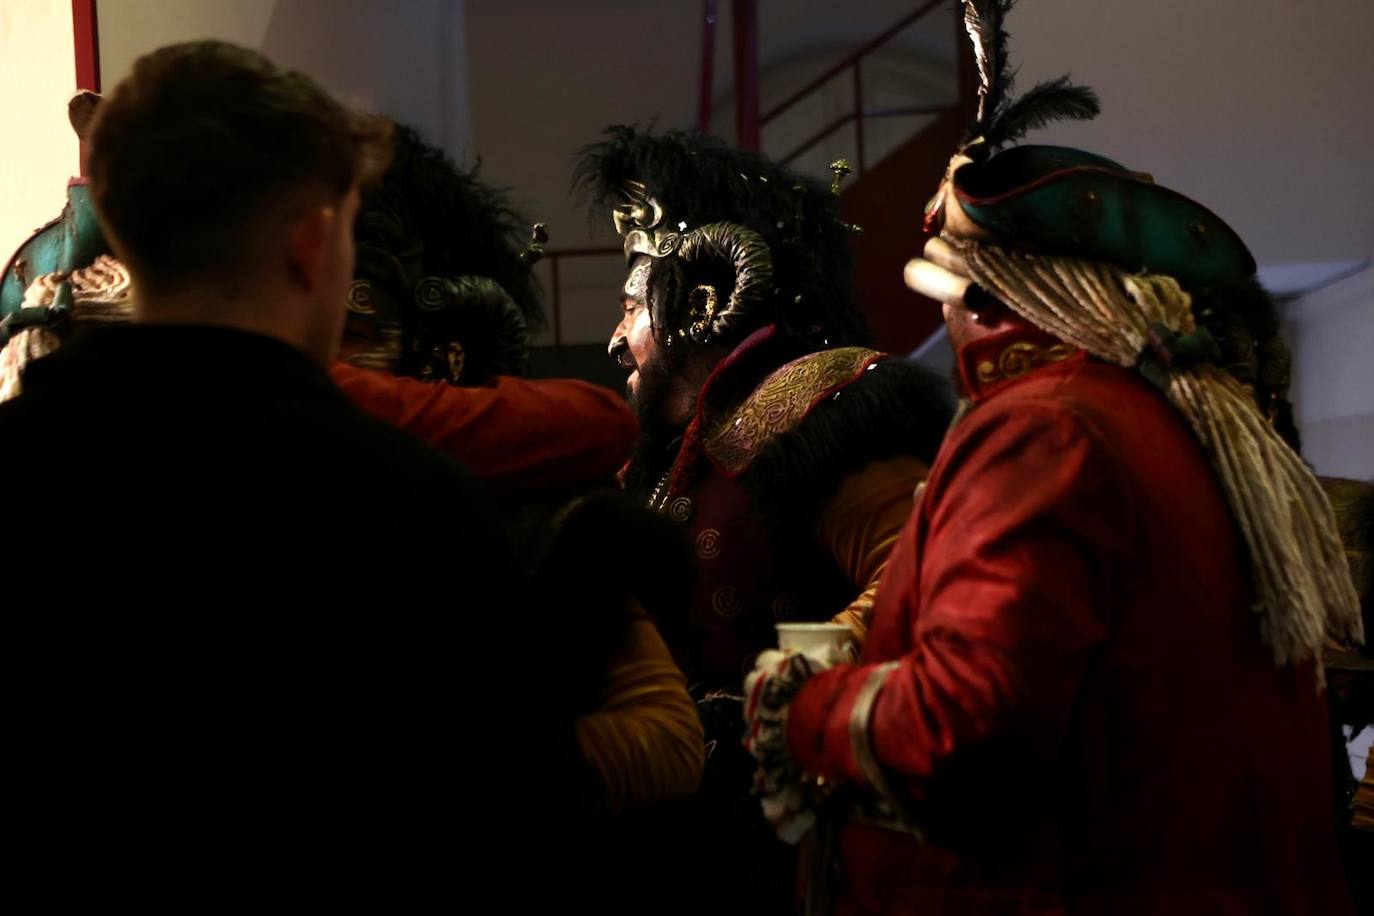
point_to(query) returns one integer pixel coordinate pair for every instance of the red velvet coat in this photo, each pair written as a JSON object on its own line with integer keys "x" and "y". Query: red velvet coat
{"x": 521, "y": 436}
{"x": 1082, "y": 717}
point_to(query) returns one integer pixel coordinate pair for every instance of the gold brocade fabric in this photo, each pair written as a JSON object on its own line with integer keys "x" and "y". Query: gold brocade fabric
{"x": 780, "y": 402}
{"x": 861, "y": 524}
{"x": 1364, "y": 797}
{"x": 645, "y": 740}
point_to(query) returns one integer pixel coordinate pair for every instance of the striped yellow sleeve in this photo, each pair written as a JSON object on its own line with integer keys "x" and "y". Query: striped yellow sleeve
{"x": 1364, "y": 797}
{"x": 645, "y": 739}
{"x": 860, "y": 525}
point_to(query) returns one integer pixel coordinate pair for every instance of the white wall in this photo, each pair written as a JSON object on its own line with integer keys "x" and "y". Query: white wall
{"x": 1331, "y": 332}
{"x": 404, "y": 58}
{"x": 1258, "y": 108}
{"x": 37, "y": 77}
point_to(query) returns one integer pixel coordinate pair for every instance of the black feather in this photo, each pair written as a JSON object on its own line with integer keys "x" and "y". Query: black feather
{"x": 1052, "y": 100}
{"x": 985, "y": 20}
{"x": 464, "y": 225}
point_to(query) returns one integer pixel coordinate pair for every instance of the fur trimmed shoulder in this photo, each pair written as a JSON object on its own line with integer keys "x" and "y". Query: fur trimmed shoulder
{"x": 893, "y": 407}
{"x": 782, "y": 401}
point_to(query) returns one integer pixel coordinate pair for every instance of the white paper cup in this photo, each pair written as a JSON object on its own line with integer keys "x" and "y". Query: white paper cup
{"x": 818, "y": 639}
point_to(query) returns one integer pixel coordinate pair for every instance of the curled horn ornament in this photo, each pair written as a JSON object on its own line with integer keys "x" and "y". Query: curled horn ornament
{"x": 747, "y": 253}
{"x": 640, "y": 222}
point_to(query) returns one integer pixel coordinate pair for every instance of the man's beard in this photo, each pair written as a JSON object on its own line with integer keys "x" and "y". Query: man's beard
{"x": 655, "y": 381}
{"x": 654, "y": 451}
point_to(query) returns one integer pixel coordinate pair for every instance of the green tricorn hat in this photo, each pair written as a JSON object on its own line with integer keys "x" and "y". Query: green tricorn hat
{"x": 1068, "y": 202}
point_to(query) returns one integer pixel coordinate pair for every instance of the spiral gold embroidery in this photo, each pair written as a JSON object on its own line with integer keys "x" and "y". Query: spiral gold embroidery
{"x": 708, "y": 544}
{"x": 680, "y": 509}
{"x": 726, "y": 602}
{"x": 1020, "y": 358}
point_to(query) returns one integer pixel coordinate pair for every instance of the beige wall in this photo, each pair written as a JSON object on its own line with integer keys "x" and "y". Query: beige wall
{"x": 37, "y": 76}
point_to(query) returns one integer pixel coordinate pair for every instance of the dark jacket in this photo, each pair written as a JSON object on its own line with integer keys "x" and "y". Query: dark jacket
{"x": 245, "y": 632}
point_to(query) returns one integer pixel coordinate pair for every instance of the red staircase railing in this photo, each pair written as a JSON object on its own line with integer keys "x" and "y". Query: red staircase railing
{"x": 87, "y": 45}
{"x": 854, "y": 64}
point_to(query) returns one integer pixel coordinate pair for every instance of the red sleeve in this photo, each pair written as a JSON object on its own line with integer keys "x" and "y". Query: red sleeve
{"x": 519, "y": 435}
{"x": 1025, "y": 523}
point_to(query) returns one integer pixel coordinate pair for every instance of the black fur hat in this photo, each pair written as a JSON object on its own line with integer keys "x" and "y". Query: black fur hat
{"x": 440, "y": 262}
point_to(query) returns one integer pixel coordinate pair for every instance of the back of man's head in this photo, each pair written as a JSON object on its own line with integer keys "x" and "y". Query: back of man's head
{"x": 204, "y": 142}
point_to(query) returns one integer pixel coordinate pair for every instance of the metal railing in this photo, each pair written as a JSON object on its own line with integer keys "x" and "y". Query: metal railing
{"x": 554, "y": 257}
{"x": 853, "y": 63}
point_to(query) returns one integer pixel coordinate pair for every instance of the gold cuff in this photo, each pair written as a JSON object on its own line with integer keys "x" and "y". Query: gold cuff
{"x": 862, "y": 746}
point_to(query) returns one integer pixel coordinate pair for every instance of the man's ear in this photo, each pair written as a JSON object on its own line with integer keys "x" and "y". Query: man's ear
{"x": 308, "y": 246}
